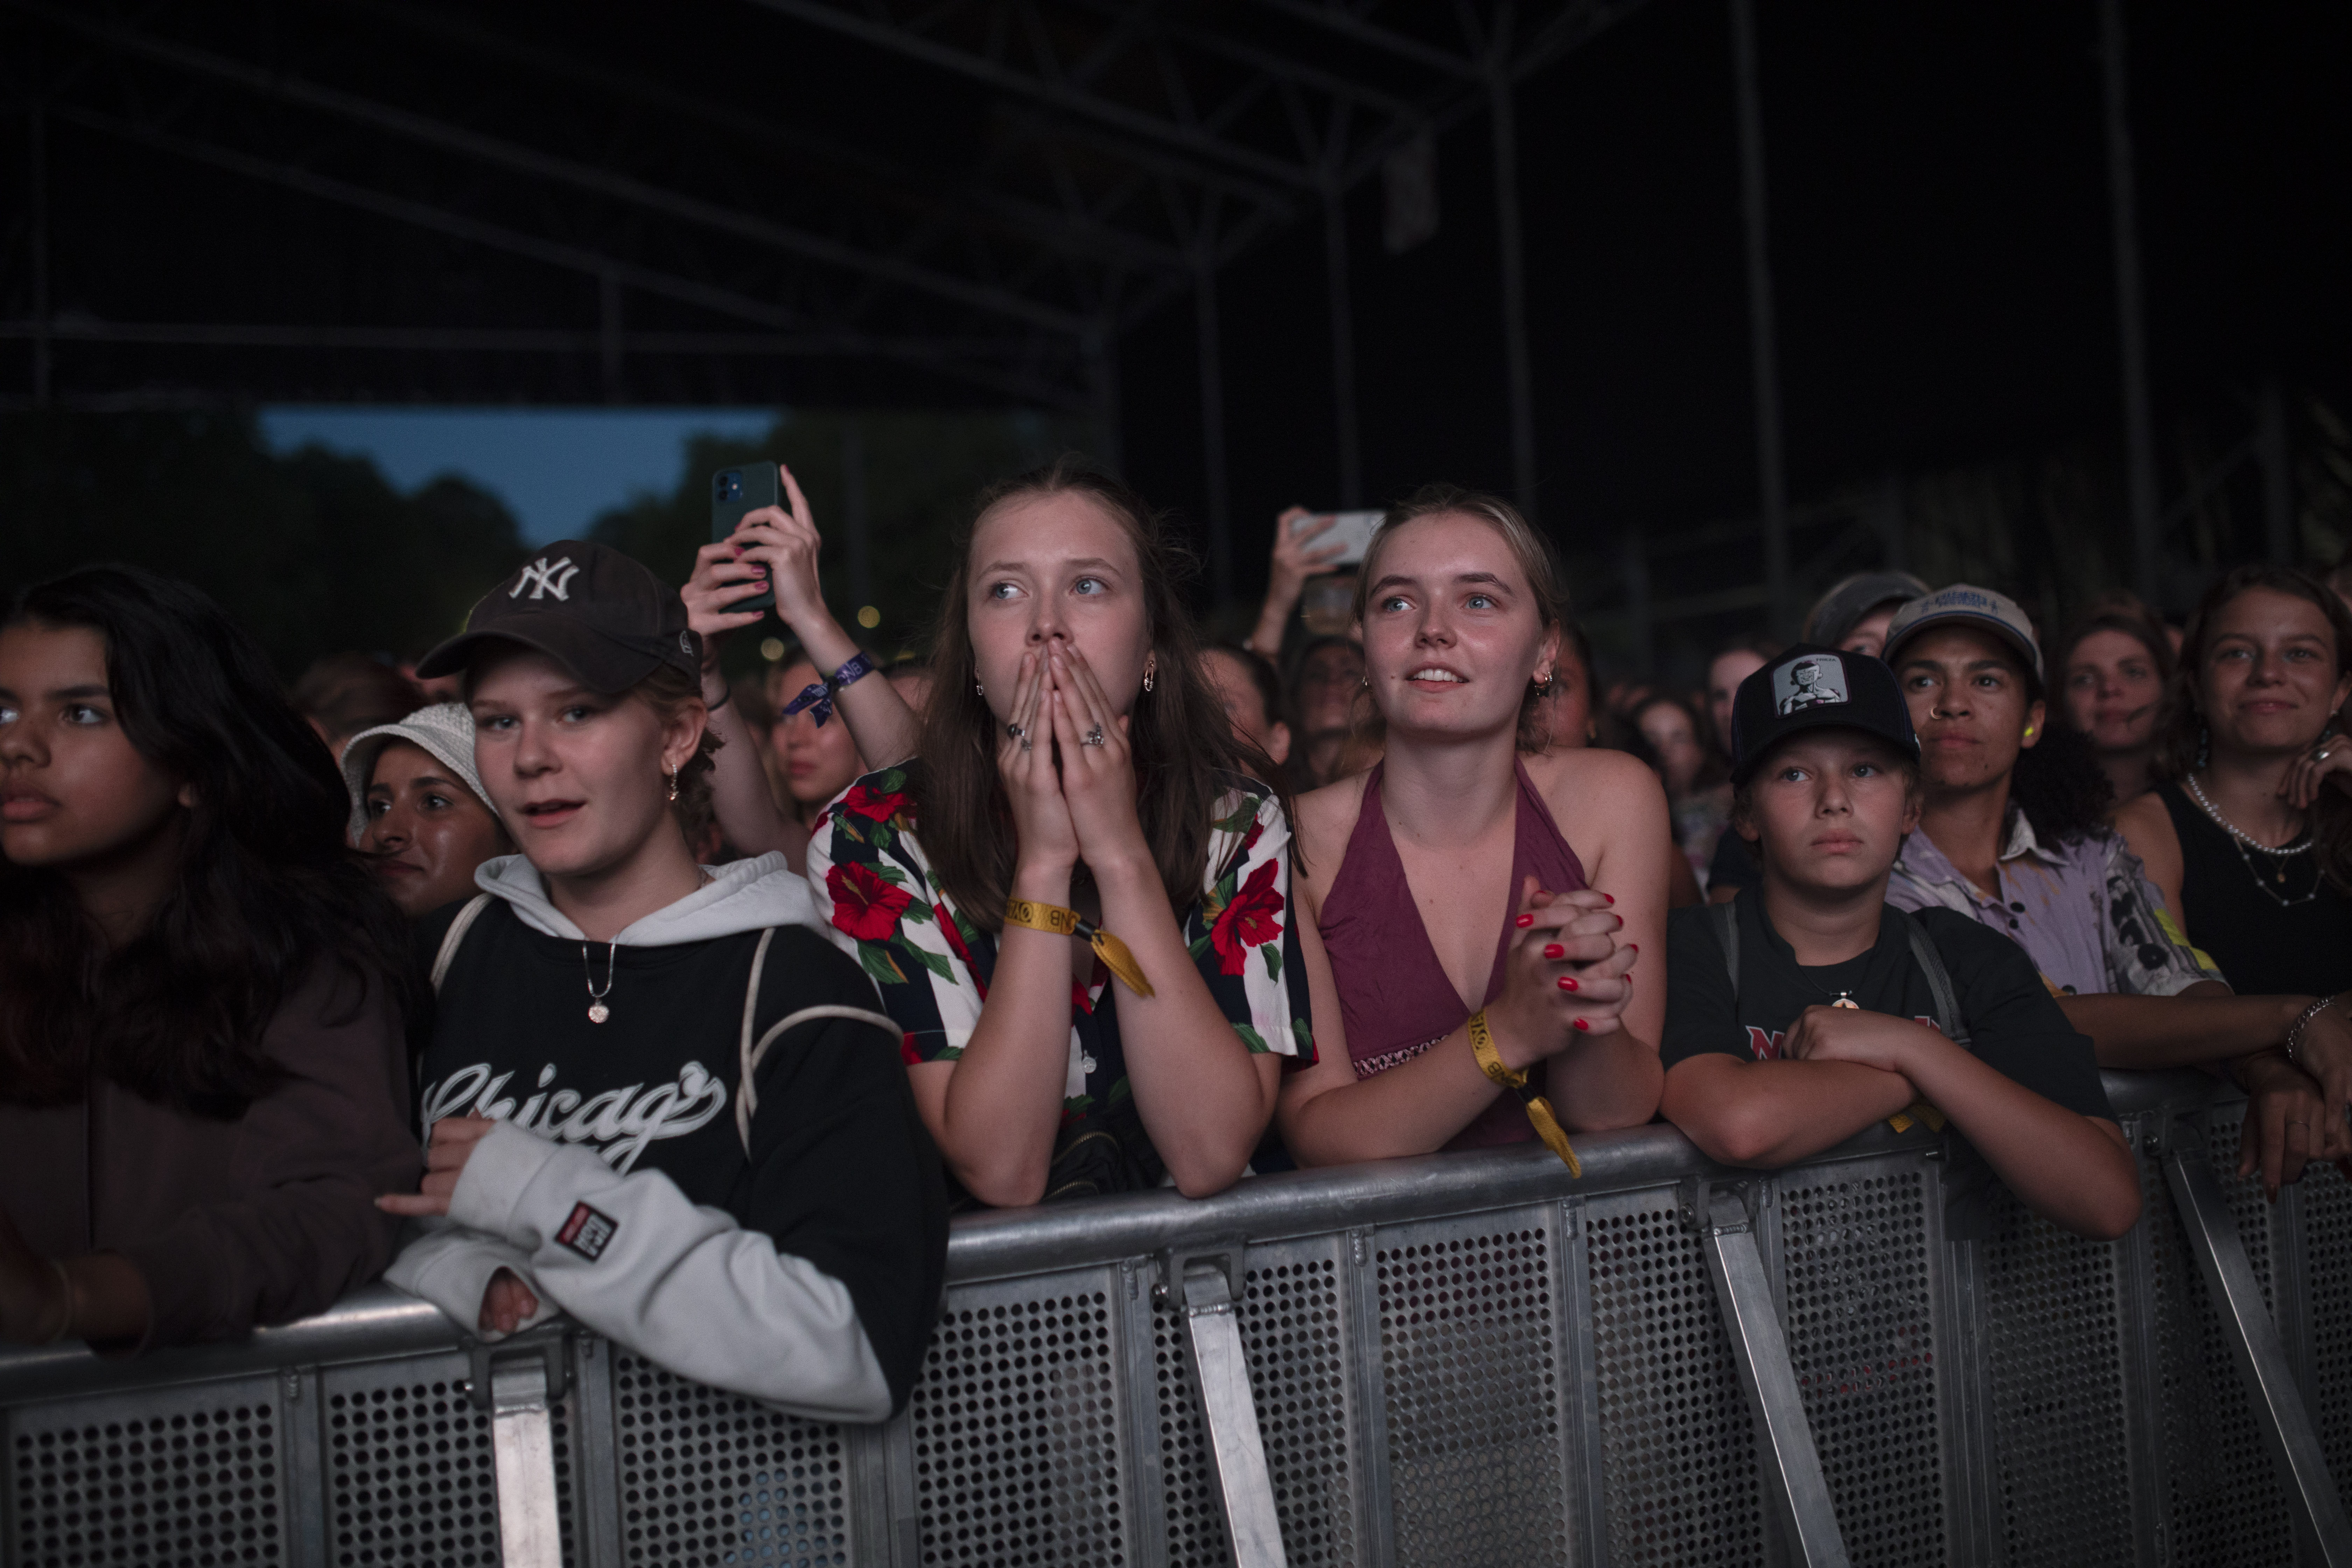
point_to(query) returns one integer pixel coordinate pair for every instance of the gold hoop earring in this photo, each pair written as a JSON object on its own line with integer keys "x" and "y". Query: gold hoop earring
{"x": 673, "y": 784}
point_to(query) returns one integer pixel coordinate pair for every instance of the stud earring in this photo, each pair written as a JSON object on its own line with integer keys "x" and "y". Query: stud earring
{"x": 673, "y": 784}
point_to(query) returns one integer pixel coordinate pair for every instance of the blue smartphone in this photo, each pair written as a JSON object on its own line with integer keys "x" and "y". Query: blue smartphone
{"x": 733, "y": 492}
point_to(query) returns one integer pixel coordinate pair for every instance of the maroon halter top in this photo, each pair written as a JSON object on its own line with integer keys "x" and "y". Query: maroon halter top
{"x": 1394, "y": 996}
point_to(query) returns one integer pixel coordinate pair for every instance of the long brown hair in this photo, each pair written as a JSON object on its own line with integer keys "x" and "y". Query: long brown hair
{"x": 1186, "y": 753}
{"x": 266, "y": 895}
{"x": 1547, "y": 584}
{"x": 2184, "y": 731}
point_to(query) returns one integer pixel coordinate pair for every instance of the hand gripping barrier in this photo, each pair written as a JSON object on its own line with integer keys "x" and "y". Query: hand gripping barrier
{"x": 1468, "y": 1359}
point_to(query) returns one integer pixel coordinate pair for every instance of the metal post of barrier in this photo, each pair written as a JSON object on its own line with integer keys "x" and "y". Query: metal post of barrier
{"x": 520, "y": 1391}
{"x": 2255, "y": 1343}
{"x": 1206, "y": 1285}
{"x": 1760, "y": 1350}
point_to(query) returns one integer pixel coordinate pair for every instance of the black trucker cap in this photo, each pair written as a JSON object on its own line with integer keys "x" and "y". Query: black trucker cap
{"x": 1815, "y": 688}
{"x": 594, "y": 610}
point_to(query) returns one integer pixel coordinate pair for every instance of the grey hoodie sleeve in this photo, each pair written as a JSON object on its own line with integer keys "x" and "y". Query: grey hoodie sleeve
{"x": 450, "y": 1266}
{"x": 683, "y": 1285}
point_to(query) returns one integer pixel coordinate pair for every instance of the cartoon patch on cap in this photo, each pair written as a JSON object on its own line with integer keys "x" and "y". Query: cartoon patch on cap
{"x": 1816, "y": 680}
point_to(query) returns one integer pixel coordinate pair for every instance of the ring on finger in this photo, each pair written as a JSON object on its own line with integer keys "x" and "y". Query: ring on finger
{"x": 1093, "y": 737}
{"x": 1016, "y": 732}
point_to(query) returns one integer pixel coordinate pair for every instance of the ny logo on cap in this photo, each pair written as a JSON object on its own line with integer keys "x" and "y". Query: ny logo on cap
{"x": 542, "y": 579}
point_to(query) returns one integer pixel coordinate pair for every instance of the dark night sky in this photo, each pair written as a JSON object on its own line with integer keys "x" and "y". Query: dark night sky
{"x": 1940, "y": 238}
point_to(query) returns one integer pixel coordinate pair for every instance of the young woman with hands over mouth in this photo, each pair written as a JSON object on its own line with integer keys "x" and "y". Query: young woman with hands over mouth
{"x": 1075, "y": 897}
{"x": 1479, "y": 955}
{"x": 656, "y": 1096}
{"x": 777, "y": 548}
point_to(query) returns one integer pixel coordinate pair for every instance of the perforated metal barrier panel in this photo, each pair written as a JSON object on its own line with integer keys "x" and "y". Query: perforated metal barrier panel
{"x": 1459, "y": 1362}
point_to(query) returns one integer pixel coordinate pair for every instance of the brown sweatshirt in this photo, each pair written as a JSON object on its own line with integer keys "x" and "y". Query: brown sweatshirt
{"x": 258, "y": 1220}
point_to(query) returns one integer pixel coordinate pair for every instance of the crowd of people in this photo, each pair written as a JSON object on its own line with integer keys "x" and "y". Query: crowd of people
{"x": 564, "y": 974}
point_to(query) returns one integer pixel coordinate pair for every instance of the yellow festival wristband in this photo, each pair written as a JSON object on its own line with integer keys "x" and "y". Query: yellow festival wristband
{"x": 1539, "y": 1112}
{"x": 1059, "y": 921}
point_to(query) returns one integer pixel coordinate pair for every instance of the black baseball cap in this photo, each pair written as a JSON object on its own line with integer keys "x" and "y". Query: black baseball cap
{"x": 1815, "y": 688}
{"x": 591, "y": 608}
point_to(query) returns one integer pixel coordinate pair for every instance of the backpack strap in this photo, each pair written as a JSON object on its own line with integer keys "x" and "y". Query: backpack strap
{"x": 747, "y": 1092}
{"x": 455, "y": 936}
{"x": 1725, "y": 920}
{"x": 1940, "y": 979}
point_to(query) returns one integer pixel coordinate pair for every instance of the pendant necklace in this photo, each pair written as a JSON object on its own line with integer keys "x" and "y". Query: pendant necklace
{"x": 597, "y": 1011}
{"x": 2248, "y": 846}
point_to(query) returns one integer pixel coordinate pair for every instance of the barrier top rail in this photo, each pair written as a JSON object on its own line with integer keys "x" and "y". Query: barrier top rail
{"x": 377, "y": 1320}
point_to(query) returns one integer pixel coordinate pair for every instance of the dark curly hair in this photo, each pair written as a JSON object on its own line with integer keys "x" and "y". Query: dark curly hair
{"x": 2060, "y": 786}
{"x": 266, "y": 892}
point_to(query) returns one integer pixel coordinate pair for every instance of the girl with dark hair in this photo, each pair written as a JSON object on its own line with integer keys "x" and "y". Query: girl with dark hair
{"x": 657, "y": 1097}
{"x": 2113, "y": 670}
{"x": 1483, "y": 963}
{"x": 203, "y": 1073}
{"x": 2013, "y": 833}
{"x": 2250, "y": 835}
{"x": 1076, "y": 897}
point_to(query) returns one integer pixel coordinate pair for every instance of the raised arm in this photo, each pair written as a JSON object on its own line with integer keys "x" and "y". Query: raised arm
{"x": 739, "y": 793}
{"x": 1294, "y": 560}
{"x": 787, "y": 544}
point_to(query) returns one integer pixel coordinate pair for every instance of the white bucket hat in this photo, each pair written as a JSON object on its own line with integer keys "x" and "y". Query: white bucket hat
{"x": 445, "y": 729}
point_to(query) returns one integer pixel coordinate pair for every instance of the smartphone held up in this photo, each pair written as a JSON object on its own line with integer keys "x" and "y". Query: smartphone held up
{"x": 735, "y": 492}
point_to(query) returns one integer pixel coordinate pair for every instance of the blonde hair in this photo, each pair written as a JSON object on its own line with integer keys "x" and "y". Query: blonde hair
{"x": 1547, "y": 584}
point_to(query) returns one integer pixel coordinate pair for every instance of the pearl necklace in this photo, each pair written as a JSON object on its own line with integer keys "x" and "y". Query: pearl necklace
{"x": 2245, "y": 841}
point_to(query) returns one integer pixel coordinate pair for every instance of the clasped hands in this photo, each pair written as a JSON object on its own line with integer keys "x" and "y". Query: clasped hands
{"x": 1567, "y": 977}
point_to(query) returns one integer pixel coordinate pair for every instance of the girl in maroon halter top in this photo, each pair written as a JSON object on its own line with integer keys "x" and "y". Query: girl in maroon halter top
{"x": 1443, "y": 885}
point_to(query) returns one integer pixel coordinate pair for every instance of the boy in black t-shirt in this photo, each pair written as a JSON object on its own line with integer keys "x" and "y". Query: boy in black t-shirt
{"x": 1832, "y": 1025}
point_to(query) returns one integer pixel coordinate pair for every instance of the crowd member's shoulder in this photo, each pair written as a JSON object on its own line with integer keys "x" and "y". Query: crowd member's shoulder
{"x": 1975, "y": 953}
{"x": 1593, "y": 792}
{"x": 1322, "y": 821}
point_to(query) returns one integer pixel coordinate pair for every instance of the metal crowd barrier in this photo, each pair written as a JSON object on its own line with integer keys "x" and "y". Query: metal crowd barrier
{"x": 1457, "y": 1360}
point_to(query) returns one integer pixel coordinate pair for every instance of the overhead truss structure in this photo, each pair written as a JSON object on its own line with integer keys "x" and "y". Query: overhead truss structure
{"x": 712, "y": 200}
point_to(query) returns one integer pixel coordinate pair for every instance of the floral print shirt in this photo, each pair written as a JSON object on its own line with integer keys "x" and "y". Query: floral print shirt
{"x": 933, "y": 965}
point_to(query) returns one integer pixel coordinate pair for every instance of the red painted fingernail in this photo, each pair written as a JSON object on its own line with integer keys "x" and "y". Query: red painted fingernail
{"x": 1635, "y": 946}
{"x": 1526, "y": 920}
{"x": 1553, "y": 949}
{"x": 1582, "y": 1025}
{"x": 1611, "y": 897}
{"x": 1568, "y": 983}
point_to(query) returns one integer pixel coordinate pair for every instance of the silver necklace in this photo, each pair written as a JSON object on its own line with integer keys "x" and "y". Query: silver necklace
{"x": 2243, "y": 842}
{"x": 597, "y": 1011}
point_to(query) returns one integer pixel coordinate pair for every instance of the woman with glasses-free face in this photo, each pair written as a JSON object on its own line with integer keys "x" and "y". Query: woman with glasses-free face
{"x": 817, "y": 760}
{"x": 2114, "y": 691}
{"x": 426, "y": 832}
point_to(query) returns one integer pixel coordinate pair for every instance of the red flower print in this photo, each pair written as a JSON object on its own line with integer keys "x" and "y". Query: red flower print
{"x": 864, "y": 905}
{"x": 1251, "y": 920}
{"x": 1249, "y": 842}
{"x": 907, "y": 1053}
{"x": 871, "y": 803}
